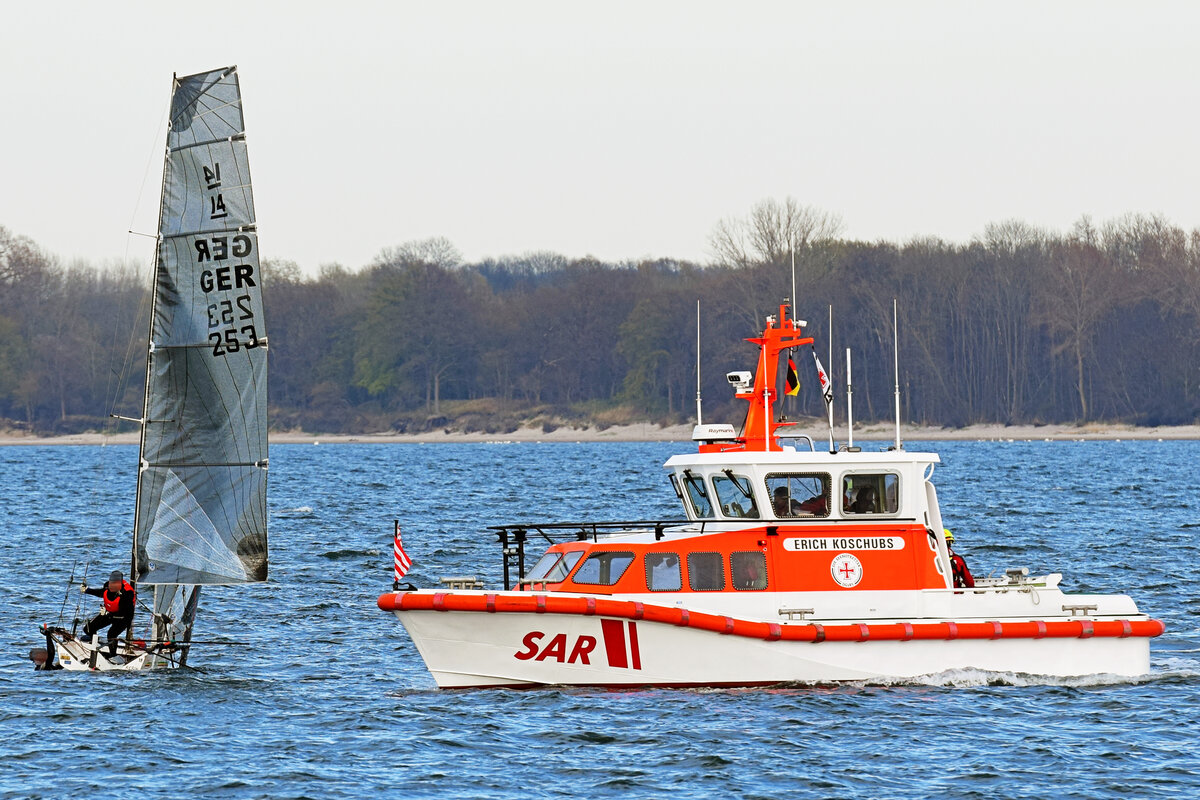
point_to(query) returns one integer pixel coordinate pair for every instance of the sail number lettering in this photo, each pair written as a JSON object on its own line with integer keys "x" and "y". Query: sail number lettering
{"x": 237, "y": 333}
{"x": 212, "y": 180}
{"x": 218, "y": 248}
{"x": 225, "y": 278}
{"x": 230, "y": 322}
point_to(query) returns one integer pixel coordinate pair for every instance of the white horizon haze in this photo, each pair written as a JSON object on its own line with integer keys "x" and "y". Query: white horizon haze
{"x": 622, "y": 130}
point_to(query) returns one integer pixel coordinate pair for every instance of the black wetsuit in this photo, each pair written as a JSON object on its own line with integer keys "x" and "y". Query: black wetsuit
{"x": 117, "y": 623}
{"x": 51, "y": 661}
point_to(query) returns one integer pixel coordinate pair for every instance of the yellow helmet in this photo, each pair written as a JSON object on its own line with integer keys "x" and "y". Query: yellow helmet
{"x": 949, "y": 535}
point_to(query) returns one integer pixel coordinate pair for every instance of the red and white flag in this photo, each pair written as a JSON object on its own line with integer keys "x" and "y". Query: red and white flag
{"x": 823, "y": 377}
{"x": 402, "y": 561}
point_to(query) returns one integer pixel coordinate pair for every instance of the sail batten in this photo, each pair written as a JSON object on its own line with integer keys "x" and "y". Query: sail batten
{"x": 202, "y": 515}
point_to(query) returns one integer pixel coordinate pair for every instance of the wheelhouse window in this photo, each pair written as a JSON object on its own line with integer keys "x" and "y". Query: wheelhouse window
{"x": 706, "y": 572}
{"x": 603, "y": 568}
{"x": 748, "y": 570}
{"x": 736, "y": 495}
{"x": 663, "y": 573}
{"x": 871, "y": 493}
{"x": 697, "y": 493}
{"x": 799, "y": 494}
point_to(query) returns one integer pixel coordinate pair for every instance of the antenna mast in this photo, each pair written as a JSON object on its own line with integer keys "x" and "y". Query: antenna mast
{"x": 849, "y": 405}
{"x": 698, "y": 422}
{"x": 829, "y": 405}
{"x": 896, "y": 365}
{"x": 793, "y": 297}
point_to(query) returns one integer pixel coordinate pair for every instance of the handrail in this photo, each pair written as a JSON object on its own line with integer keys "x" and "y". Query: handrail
{"x": 580, "y": 531}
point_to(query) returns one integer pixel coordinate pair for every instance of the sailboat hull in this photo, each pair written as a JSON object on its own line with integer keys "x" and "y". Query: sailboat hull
{"x": 78, "y": 656}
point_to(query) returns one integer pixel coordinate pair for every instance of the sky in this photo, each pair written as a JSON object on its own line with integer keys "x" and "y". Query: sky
{"x": 616, "y": 129}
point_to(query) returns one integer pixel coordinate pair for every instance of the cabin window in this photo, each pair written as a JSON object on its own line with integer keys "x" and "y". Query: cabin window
{"x": 603, "y": 568}
{"x": 706, "y": 572}
{"x": 698, "y": 494}
{"x": 736, "y": 495}
{"x": 799, "y": 494}
{"x": 543, "y": 566}
{"x": 663, "y": 573}
{"x": 554, "y": 567}
{"x": 748, "y": 570}
{"x": 871, "y": 493}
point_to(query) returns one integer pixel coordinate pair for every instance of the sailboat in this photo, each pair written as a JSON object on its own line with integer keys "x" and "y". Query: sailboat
{"x": 201, "y": 516}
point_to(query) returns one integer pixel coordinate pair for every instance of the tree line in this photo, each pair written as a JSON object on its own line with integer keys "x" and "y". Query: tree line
{"x": 1019, "y": 325}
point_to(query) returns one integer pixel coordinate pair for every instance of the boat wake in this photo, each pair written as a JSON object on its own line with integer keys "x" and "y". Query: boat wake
{"x": 341, "y": 555}
{"x": 301, "y": 511}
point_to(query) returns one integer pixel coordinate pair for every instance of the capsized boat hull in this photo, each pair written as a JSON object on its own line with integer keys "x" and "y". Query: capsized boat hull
{"x": 464, "y": 646}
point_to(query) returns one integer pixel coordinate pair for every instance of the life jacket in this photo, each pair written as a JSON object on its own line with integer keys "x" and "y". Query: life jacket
{"x": 114, "y": 605}
{"x": 962, "y": 576}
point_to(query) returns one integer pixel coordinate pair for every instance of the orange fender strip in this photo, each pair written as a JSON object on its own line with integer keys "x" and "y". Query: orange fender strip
{"x": 530, "y": 603}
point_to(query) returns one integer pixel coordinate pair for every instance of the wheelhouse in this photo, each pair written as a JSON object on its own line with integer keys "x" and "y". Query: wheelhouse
{"x": 805, "y": 487}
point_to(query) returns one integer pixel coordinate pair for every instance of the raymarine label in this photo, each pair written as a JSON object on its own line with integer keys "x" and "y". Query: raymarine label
{"x": 813, "y": 543}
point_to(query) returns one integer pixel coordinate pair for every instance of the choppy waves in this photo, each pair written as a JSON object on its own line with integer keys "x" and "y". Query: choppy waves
{"x": 318, "y": 694}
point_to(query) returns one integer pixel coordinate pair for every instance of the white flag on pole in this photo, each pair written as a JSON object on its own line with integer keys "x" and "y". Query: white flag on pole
{"x": 823, "y": 377}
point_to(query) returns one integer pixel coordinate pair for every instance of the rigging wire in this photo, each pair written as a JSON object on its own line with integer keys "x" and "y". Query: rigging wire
{"x": 67, "y": 594}
{"x": 116, "y": 392}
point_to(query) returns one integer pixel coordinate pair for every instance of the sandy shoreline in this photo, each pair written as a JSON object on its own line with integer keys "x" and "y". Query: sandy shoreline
{"x": 653, "y": 433}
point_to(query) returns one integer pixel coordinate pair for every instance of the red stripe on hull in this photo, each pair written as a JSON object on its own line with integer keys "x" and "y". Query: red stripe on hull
{"x": 613, "y": 632}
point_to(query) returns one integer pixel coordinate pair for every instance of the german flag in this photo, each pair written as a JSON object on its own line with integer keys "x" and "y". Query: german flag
{"x": 793, "y": 380}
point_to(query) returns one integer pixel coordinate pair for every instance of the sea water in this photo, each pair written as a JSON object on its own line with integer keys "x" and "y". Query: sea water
{"x": 318, "y": 694}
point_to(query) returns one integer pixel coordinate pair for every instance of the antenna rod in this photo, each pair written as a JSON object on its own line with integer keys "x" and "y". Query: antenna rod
{"x": 849, "y": 405}
{"x": 698, "y": 362}
{"x": 896, "y": 364}
{"x": 793, "y": 298}
{"x": 829, "y": 405}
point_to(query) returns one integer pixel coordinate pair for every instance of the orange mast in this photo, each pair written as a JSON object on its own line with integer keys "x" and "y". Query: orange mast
{"x": 758, "y": 431}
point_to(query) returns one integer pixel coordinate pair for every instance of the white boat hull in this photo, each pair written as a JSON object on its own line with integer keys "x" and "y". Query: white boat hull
{"x": 472, "y": 649}
{"x": 77, "y": 655}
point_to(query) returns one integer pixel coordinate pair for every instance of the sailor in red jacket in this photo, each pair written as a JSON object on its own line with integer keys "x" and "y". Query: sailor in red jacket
{"x": 119, "y": 599}
{"x": 958, "y": 565}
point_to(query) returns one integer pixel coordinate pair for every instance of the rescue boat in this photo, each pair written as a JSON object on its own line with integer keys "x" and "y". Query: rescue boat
{"x": 790, "y": 564}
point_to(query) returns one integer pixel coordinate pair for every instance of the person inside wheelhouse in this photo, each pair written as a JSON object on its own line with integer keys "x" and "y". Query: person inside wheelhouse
{"x": 874, "y": 493}
{"x": 785, "y": 489}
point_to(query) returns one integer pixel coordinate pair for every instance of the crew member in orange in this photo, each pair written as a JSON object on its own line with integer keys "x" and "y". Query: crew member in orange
{"x": 958, "y": 565}
{"x": 119, "y": 599}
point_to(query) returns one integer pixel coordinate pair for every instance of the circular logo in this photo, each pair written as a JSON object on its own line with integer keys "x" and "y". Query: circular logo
{"x": 846, "y": 570}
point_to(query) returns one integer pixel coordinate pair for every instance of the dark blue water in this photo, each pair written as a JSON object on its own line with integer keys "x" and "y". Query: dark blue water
{"x": 327, "y": 698}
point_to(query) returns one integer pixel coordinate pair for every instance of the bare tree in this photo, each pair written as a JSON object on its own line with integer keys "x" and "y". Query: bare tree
{"x": 1081, "y": 288}
{"x": 437, "y": 251}
{"x": 770, "y": 232}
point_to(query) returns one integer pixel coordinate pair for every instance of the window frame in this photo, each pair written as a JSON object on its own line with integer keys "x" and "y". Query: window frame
{"x": 761, "y": 561}
{"x": 720, "y": 560}
{"x": 691, "y": 479}
{"x": 744, "y": 493}
{"x": 678, "y": 570}
{"x": 827, "y": 484}
{"x": 600, "y": 555}
{"x": 880, "y": 497}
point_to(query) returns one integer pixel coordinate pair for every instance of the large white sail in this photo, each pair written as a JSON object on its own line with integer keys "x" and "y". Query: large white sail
{"x": 202, "y": 483}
